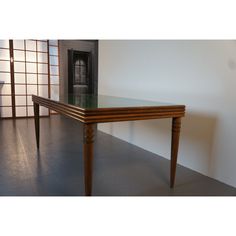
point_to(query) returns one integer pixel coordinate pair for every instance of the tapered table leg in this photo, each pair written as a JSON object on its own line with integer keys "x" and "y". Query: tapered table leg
{"x": 88, "y": 157}
{"x": 176, "y": 124}
{"x": 36, "y": 121}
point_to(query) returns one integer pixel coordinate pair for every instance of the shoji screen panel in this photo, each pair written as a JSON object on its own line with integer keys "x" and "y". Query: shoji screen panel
{"x": 30, "y": 74}
{"x": 27, "y": 67}
{"x": 54, "y": 69}
{"x": 5, "y": 80}
{"x": 20, "y": 82}
{"x": 43, "y": 72}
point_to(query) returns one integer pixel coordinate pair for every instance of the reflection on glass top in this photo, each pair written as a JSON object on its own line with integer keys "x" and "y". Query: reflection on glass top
{"x": 88, "y": 101}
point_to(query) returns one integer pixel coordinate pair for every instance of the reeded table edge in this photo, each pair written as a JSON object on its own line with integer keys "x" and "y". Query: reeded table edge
{"x": 111, "y": 114}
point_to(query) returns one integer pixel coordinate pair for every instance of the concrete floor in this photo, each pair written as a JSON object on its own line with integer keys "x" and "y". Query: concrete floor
{"x": 120, "y": 169}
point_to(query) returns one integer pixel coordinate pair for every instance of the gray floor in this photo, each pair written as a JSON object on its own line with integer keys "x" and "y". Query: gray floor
{"x": 120, "y": 169}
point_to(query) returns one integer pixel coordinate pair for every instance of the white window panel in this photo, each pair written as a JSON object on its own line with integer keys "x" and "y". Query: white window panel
{"x": 5, "y": 66}
{"x": 19, "y": 44}
{"x": 20, "y": 111}
{"x": 19, "y": 78}
{"x": 31, "y": 56}
{"x": 30, "y": 111}
{"x": 29, "y": 100}
{"x": 43, "y": 111}
{"x": 20, "y": 89}
{"x": 19, "y": 55}
{"x": 4, "y": 54}
{"x": 43, "y": 79}
{"x": 42, "y": 46}
{"x": 31, "y": 89}
{"x": 20, "y": 100}
{"x": 53, "y": 60}
{"x": 5, "y": 100}
{"x": 31, "y": 78}
{"x": 6, "y": 89}
{"x": 5, "y": 112}
{"x": 43, "y": 68}
{"x": 31, "y": 67}
{"x": 53, "y": 42}
{"x": 43, "y": 91}
{"x": 54, "y": 70}
{"x": 53, "y": 51}
{"x": 19, "y": 66}
{"x": 55, "y": 92}
{"x": 4, "y": 43}
{"x": 54, "y": 79}
{"x": 42, "y": 57}
{"x": 31, "y": 45}
{"x": 5, "y": 77}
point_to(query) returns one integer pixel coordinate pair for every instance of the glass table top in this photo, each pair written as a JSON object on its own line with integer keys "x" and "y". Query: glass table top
{"x": 88, "y": 101}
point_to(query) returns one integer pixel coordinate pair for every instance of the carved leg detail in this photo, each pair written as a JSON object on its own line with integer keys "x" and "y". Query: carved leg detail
{"x": 36, "y": 121}
{"x": 88, "y": 157}
{"x": 176, "y": 124}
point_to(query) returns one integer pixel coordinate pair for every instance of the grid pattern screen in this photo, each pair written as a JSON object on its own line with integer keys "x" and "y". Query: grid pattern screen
{"x": 5, "y": 80}
{"x": 54, "y": 69}
{"x": 27, "y": 67}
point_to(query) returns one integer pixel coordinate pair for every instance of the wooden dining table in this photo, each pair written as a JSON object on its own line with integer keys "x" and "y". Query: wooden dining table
{"x": 93, "y": 109}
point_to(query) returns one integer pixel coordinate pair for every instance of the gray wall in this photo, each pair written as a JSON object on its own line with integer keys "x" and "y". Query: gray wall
{"x": 200, "y": 74}
{"x": 81, "y": 45}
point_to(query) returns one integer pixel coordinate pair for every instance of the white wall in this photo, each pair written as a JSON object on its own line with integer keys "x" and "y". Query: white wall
{"x": 199, "y": 74}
